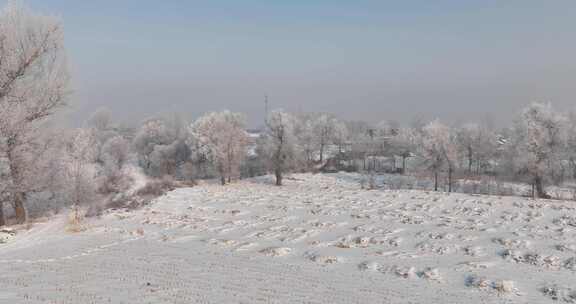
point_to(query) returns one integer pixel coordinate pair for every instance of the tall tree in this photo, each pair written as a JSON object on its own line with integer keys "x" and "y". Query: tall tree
{"x": 223, "y": 134}
{"x": 33, "y": 85}
{"x": 476, "y": 144}
{"x": 304, "y": 130}
{"x": 539, "y": 142}
{"x": 279, "y": 143}
{"x": 324, "y": 128}
{"x": 81, "y": 156}
{"x": 439, "y": 150}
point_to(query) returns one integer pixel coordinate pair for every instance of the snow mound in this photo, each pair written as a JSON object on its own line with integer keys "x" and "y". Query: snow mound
{"x": 558, "y": 293}
{"x": 276, "y": 251}
{"x": 6, "y": 234}
{"x": 323, "y": 259}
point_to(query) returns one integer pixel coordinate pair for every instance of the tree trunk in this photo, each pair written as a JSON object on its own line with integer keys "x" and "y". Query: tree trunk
{"x": 403, "y": 164}
{"x": 20, "y": 208}
{"x": 435, "y": 180}
{"x": 321, "y": 153}
{"x": 540, "y": 187}
{"x": 223, "y": 179}
{"x": 449, "y": 178}
{"x": 2, "y": 219}
{"x": 470, "y": 160}
{"x": 478, "y": 165}
{"x": 278, "y": 174}
{"x": 18, "y": 196}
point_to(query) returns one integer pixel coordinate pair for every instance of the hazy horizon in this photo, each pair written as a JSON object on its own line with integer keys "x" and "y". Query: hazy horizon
{"x": 369, "y": 60}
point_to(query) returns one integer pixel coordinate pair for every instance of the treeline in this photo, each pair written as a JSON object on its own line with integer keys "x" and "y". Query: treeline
{"x": 103, "y": 164}
{"x": 538, "y": 148}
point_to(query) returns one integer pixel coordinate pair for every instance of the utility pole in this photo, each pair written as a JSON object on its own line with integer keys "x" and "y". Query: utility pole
{"x": 266, "y": 108}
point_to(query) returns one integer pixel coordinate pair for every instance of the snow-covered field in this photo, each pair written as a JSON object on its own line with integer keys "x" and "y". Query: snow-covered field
{"x": 319, "y": 239}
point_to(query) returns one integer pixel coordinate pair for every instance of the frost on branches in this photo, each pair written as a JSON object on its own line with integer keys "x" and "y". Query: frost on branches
{"x": 80, "y": 169}
{"x": 439, "y": 150}
{"x": 33, "y": 85}
{"x": 223, "y": 135}
{"x": 279, "y": 143}
{"x": 539, "y": 143}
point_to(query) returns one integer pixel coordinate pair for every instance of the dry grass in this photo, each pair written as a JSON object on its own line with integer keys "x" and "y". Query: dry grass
{"x": 75, "y": 222}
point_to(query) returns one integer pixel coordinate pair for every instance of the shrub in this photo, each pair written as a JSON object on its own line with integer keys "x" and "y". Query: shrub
{"x": 157, "y": 187}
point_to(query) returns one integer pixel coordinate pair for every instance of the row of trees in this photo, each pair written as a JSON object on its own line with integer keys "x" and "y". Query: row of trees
{"x": 535, "y": 150}
{"x": 538, "y": 148}
{"x": 100, "y": 161}
{"x": 218, "y": 144}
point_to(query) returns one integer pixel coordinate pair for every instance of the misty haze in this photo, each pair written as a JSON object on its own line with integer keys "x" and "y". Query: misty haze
{"x": 287, "y": 151}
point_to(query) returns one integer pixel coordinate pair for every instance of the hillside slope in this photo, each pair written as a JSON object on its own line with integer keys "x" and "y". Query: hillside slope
{"x": 319, "y": 239}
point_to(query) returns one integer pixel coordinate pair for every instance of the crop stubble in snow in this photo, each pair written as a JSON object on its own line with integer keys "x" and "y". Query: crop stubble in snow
{"x": 319, "y": 239}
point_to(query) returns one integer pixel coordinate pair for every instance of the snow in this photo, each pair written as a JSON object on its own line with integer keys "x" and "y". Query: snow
{"x": 318, "y": 239}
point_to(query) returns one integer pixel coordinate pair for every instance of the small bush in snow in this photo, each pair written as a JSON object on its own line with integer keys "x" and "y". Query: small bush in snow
{"x": 75, "y": 220}
{"x": 557, "y": 293}
{"x": 157, "y": 187}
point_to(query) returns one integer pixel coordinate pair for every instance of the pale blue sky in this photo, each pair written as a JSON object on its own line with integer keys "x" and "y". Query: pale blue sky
{"x": 373, "y": 60}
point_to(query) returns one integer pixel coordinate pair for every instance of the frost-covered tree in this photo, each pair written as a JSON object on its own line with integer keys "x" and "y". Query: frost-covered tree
{"x": 477, "y": 144}
{"x": 279, "y": 143}
{"x": 103, "y": 128}
{"x": 152, "y": 133}
{"x": 162, "y": 146}
{"x": 33, "y": 85}
{"x": 80, "y": 168}
{"x": 404, "y": 144}
{"x": 168, "y": 159}
{"x": 45, "y": 182}
{"x": 114, "y": 155}
{"x": 100, "y": 120}
{"x": 539, "y": 141}
{"x": 571, "y": 143}
{"x": 304, "y": 131}
{"x": 201, "y": 166}
{"x": 438, "y": 150}
{"x": 223, "y": 134}
{"x": 116, "y": 152}
{"x": 469, "y": 139}
{"x": 324, "y": 128}
{"x": 341, "y": 136}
